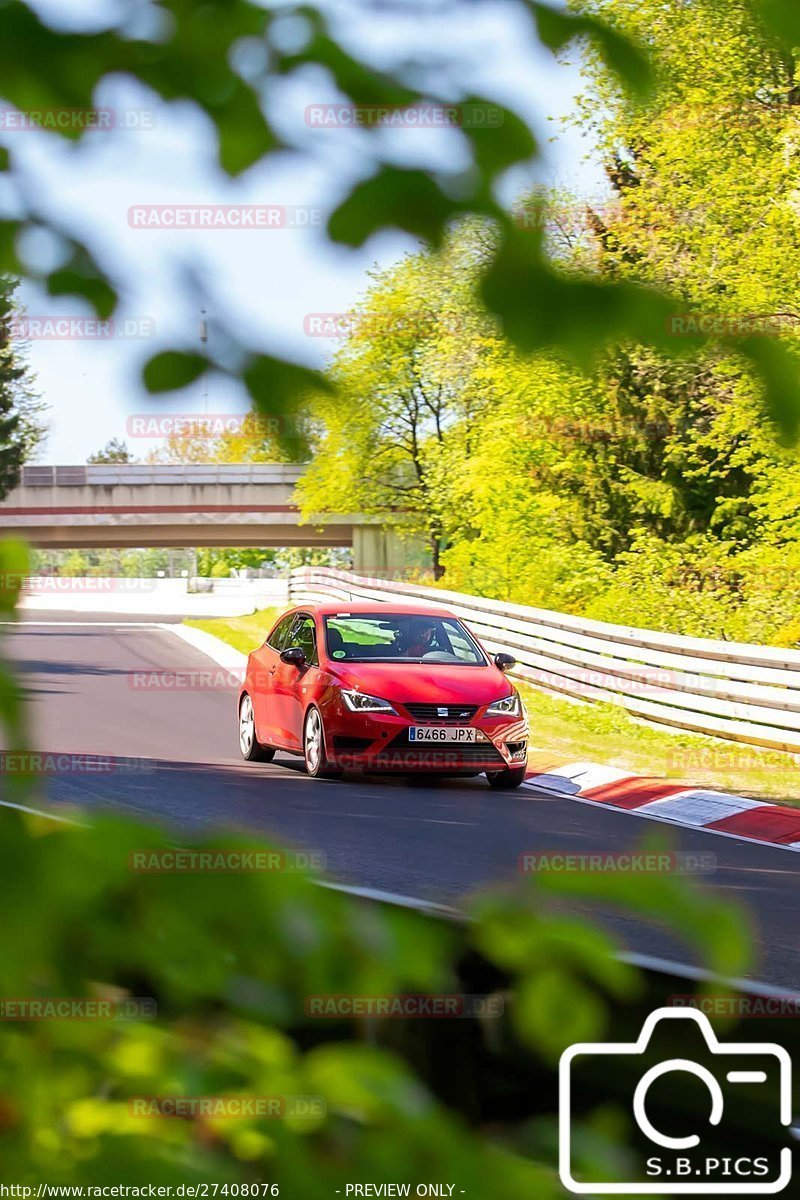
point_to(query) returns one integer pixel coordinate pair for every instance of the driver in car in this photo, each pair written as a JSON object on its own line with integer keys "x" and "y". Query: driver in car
{"x": 416, "y": 640}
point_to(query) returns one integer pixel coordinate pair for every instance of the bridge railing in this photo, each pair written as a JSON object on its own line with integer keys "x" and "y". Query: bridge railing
{"x": 733, "y": 690}
{"x": 136, "y": 474}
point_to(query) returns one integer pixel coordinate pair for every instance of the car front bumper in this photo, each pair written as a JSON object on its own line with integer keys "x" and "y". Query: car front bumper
{"x": 380, "y": 742}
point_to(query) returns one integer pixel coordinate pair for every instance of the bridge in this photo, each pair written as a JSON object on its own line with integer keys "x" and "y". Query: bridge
{"x": 142, "y": 505}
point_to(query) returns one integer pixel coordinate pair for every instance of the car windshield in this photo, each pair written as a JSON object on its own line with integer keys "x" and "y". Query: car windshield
{"x": 401, "y": 637}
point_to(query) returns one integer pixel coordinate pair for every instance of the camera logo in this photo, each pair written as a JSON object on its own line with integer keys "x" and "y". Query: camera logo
{"x": 678, "y": 1165}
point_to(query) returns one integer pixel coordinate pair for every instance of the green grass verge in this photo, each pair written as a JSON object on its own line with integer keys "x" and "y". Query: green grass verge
{"x": 243, "y": 633}
{"x": 604, "y": 733}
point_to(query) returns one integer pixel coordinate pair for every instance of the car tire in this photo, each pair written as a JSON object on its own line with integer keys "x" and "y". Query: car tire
{"x": 507, "y": 780}
{"x": 250, "y": 747}
{"x": 317, "y": 765}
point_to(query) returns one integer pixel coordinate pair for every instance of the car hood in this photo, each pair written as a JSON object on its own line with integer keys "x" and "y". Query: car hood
{"x": 422, "y": 684}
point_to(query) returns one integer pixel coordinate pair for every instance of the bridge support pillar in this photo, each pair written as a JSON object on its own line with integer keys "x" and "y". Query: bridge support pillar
{"x": 384, "y": 554}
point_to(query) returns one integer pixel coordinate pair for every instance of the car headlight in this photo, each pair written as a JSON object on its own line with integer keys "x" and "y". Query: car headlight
{"x": 359, "y": 702}
{"x": 509, "y": 706}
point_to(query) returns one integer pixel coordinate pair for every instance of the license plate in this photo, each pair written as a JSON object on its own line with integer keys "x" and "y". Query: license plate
{"x": 442, "y": 733}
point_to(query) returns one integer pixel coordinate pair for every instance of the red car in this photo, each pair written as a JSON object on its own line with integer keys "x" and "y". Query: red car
{"x": 394, "y": 688}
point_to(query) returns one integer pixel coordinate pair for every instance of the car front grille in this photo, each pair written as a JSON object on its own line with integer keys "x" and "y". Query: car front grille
{"x": 442, "y": 714}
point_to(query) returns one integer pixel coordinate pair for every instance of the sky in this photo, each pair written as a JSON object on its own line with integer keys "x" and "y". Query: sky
{"x": 263, "y": 283}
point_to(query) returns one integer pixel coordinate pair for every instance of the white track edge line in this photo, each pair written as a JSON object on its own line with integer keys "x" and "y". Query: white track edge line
{"x": 37, "y": 812}
{"x": 644, "y": 961}
{"x": 220, "y": 652}
{"x": 368, "y": 893}
{"x": 668, "y": 966}
{"x": 150, "y": 624}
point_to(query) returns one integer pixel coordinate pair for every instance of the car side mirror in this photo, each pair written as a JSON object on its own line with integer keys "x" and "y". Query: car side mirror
{"x": 294, "y": 656}
{"x": 504, "y": 662}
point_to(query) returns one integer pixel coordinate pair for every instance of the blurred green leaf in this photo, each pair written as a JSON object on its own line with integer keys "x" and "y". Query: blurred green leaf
{"x": 368, "y": 1084}
{"x": 366, "y": 86}
{"x": 244, "y": 135}
{"x": 557, "y": 29}
{"x": 582, "y": 315}
{"x": 14, "y": 567}
{"x": 394, "y": 198}
{"x": 500, "y": 138}
{"x": 553, "y": 1010}
{"x": 9, "y": 231}
{"x": 16, "y": 773}
{"x": 172, "y": 369}
{"x": 719, "y": 931}
{"x": 782, "y": 17}
{"x": 777, "y": 368}
{"x": 277, "y": 389}
{"x": 274, "y": 384}
{"x": 81, "y": 277}
{"x": 190, "y": 62}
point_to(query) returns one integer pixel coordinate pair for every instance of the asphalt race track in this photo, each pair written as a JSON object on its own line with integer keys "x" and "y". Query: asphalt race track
{"x": 421, "y": 842}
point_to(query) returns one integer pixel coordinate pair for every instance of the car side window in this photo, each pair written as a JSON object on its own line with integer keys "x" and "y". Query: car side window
{"x": 278, "y": 638}
{"x": 304, "y": 635}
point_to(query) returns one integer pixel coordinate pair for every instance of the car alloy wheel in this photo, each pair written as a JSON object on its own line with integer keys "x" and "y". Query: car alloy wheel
{"x": 250, "y": 747}
{"x": 317, "y": 765}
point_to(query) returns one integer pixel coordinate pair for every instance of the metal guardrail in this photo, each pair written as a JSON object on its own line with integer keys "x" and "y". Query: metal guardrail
{"x": 746, "y": 693}
{"x": 137, "y": 474}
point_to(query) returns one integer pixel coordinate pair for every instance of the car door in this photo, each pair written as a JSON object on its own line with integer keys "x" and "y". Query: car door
{"x": 265, "y": 662}
{"x": 289, "y": 682}
{"x": 298, "y": 682}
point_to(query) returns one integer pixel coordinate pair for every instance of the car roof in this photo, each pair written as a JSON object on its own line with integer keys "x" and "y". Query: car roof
{"x": 332, "y": 608}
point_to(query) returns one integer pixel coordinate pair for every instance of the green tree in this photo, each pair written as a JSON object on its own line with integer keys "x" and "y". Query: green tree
{"x": 21, "y": 426}
{"x": 407, "y": 393}
{"x": 654, "y": 449}
{"x": 251, "y": 438}
{"x": 724, "y": 240}
{"x": 74, "y": 563}
{"x": 114, "y": 451}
